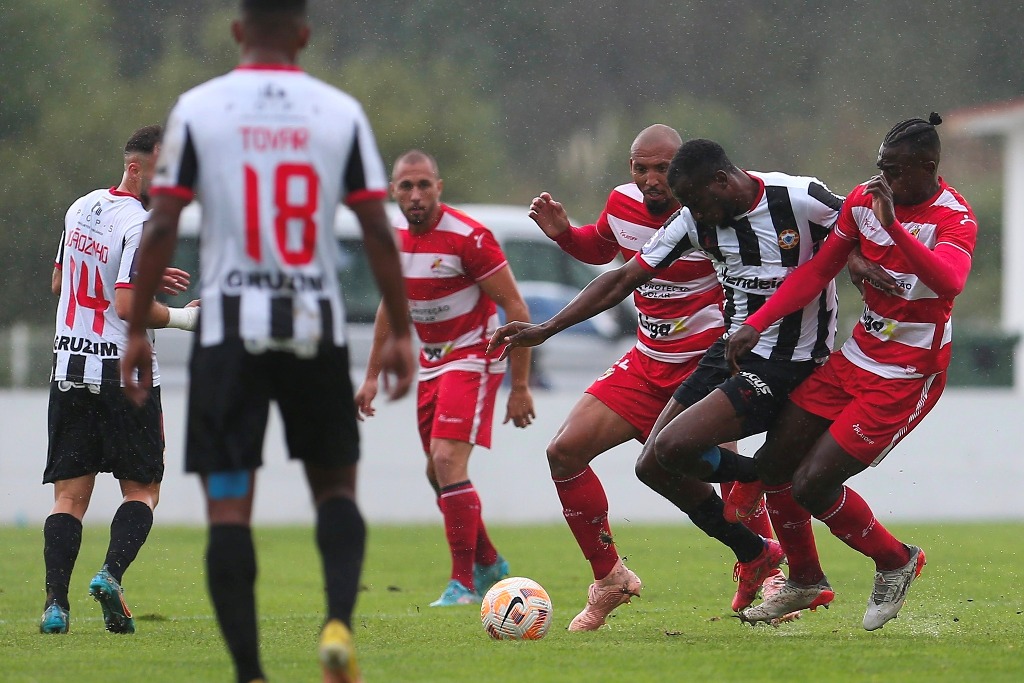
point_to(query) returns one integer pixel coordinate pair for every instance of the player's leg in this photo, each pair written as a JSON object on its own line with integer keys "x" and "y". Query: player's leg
{"x": 134, "y": 443}
{"x": 129, "y": 530}
{"x": 790, "y": 438}
{"x": 460, "y": 507}
{"x": 862, "y": 435}
{"x": 231, "y": 566}
{"x": 72, "y": 460}
{"x": 229, "y": 400}
{"x": 62, "y": 539}
{"x": 590, "y": 429}
{"x": 715, "y": 419}
{"x": 325, "y": 437}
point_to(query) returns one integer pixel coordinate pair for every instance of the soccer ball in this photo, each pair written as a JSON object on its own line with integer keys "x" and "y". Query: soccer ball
{"x": 516, "y": 609}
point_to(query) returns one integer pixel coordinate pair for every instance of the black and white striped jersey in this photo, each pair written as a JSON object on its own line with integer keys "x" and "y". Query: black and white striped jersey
{"x": 101, "y": 234}
{"x": 753, "y": 254}
{"x": 270, "y": 151}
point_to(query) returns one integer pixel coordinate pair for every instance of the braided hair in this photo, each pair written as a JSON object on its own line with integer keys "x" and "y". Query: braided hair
{"x": 917, "y": 133}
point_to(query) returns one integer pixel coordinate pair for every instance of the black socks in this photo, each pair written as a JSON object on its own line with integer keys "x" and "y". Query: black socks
{"x": 231, "y": 574}
{"x": 341, "y": 538}
{"x": 128, "y": 531}
{"x": 62, "y": 539}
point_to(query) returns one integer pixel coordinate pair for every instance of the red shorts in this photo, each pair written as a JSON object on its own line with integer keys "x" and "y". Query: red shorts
{"x": 637, "y": 387}
{"x": 870, "y": 414}
{"x": 457, "y": 405}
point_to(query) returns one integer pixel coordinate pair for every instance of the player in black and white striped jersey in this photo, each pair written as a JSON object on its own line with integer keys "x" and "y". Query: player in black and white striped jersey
{"x": 271, "y": 151}
{"x": 756, "y": 227}
{"x": 92, "y": 426}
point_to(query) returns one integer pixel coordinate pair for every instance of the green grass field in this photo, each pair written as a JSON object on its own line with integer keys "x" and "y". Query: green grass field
{"x": 964, "y": 619}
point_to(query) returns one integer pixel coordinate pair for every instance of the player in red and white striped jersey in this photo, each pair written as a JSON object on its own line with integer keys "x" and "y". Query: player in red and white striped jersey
{"x": 271, "y": 151}
{"x": 455, "y": 277}
{"x": 679, "y": 315}
{"x": 92, "y": 426}
{"x": 851, "y": 412}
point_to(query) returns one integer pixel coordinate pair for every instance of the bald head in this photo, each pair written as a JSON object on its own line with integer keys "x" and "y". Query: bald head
{"x": 649, "y": 158}
{"x": 658, "y": 135}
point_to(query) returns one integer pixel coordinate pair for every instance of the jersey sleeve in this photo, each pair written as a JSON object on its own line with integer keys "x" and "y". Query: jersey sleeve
{"x": 671, "y": 242}
{"x": 590, "y": 243}
{"x": 129, "y": 251}
{"x": 823, "y": 205}
{"x": 364, "y": 177}
{"x": 177, "y": 168}
{"x": 481, "y": 255}
{"x": 58, "y": 260}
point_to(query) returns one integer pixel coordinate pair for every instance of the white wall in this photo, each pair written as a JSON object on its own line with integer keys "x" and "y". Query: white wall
{"x": 963, "y": 462}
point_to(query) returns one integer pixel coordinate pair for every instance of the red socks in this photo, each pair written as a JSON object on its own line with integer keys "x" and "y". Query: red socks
{"x": 758, "y": 522}
{"x": 793, "y": 527}
{"x": 460, "y": 506}
{"x": 852, "y": 522}
{"x": 585, "y": 507}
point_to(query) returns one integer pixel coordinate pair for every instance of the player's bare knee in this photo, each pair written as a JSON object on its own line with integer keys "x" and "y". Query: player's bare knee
{"x": 563, "y": 460}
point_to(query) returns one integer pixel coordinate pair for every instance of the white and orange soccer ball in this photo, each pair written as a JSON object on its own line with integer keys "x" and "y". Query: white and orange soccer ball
{"x": 516, "y": 609}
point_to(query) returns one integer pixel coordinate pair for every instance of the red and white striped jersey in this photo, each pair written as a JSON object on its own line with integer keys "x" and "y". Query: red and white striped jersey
{"x": 97, "y": 249}
{"x": 270, "y": 151}
{"x": 908, "y": 335}
{"x": 453, "y": 316}
{"x": 679, "y": 312}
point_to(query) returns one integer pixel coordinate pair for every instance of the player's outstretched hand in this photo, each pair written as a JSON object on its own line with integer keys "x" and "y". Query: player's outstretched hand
{"x": 549, "y": 215}
{"x": 396, "y": 363}
{"x": 138, "y": 357}
{"x": 520, "y": 408}
{"x": 864, "y": 272}
{"x": 881, "y": 200}
{"x": 515, "y": 334}
{"x": 364, "y": 399}
{"x": 739, "y": 344}
{"x": 174, "y": 281}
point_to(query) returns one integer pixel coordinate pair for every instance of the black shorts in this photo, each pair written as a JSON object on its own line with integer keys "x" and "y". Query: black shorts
{"x": 757, "y": 393}
{"x": 229, "y": 400}
{"x": 104, "y": 432}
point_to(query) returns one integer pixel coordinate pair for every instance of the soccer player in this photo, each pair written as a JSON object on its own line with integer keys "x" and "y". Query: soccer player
{"x": 855, "y": 408}
{"x": 271, "y": 151}
{"x": 455, "y": 275}
{"x": 92, "y": 425}
{"x": 756, "y": 227}
{"x": 679, "y": 317}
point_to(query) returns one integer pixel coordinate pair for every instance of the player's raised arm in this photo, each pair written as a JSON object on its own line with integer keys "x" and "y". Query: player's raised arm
{"x": 604, "y": 292}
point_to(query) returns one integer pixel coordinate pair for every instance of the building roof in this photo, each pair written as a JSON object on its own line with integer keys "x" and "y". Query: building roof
{"x": 994, "y": 118}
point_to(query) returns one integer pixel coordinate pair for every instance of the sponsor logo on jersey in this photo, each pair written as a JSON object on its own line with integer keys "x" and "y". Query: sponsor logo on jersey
{"x": 661, "y": 290}
{"x": 660, "y": 328}
{"x": 789, "y": 239}
{"x": 435, "y": 353}
{"x": 428, "y": 315}
{"x": 883, "y": 328}
{"x": 276, "y": 281}
{"x": 752, "y": 282}
{"x": 81, "y": 345}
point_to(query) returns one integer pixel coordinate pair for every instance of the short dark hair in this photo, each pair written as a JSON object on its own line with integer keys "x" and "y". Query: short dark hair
{"x": 698, "y": 160}
{"x": 266, "y": 6}
{"x": 414, "y": 156}
{"x": 918, "y": 134}
{"x": 144, "y": 140}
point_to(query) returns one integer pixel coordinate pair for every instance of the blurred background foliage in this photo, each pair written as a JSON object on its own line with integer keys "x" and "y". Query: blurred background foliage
{"x": 514, "y": 98}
